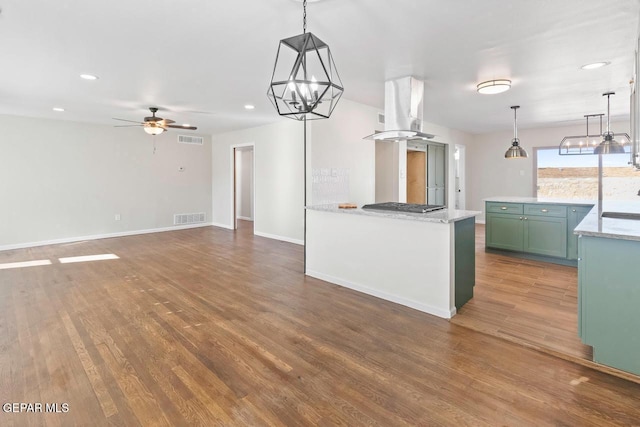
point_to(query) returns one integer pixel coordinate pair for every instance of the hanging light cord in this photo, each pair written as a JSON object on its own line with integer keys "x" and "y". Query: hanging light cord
{"x": 304, "y": 16}
{"x": 515, "y": 123}
{"x": 608, "y": 114}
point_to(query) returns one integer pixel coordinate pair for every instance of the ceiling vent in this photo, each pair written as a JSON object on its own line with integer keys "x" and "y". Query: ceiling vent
{"x": 188, "y": 139}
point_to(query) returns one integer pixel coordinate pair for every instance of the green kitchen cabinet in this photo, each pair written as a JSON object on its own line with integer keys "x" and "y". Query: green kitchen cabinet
{"x": 542, "y": 231}
{"x": 575, "y": 215}
{"x": 505, "y": 231}
{"x": 608, "y": 300}
{"x": 545, "y": 235}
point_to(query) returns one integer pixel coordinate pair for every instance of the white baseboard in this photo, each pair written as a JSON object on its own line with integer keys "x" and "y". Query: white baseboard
{"x": 282, "y": 238}
{"x": 245, "y": 218}
{"x": 217, "y": 224}
{"x": 446, "y": 314}
{"x": 102, "y": 236}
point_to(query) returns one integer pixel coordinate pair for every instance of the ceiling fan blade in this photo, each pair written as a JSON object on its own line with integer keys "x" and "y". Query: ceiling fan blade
{"x": 127, "y": 126}
{"x": 182, "y": 127}
{"x": 123, "y": 120}
{"x": 169, "y": 121}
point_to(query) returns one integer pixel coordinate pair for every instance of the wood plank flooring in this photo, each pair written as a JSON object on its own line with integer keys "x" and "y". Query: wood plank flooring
{"x": 213, "y": 327}
{"x": 525, "y": 301}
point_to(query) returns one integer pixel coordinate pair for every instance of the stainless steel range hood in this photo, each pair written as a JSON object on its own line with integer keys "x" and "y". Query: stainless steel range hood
{"x": 403, "y": 99}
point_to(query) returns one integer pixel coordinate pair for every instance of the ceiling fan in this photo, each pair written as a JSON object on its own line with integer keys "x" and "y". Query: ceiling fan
{"x": 155, "y": 125}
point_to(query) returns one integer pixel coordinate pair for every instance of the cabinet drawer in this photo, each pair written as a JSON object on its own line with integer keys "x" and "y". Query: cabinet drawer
{"x": 511, "y": 208}
{"x": 546, "y": 210}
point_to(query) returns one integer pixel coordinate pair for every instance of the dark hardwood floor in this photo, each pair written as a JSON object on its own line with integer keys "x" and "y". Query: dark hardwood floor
{"x": 526, "y": 301}
{"x": 213, "y": 327}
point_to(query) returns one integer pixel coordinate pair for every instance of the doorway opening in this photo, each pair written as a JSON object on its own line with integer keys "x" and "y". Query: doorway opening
{"x": 243, "y": 183}
{"x": 426, "y": 173}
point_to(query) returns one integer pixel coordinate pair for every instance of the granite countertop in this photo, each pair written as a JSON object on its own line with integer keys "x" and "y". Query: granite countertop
{"x": 442, "y": 216}
{"x": 543, "y": 200}
{"x": 613, "y": 228}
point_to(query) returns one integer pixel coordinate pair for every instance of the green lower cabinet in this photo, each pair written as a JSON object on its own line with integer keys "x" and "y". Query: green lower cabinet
{"x": 540, "y": 231}
{"x": 504, "y": 231}
{"x": 575, "y": 215}
{"x": 545, "y": 236}
{"x": 609, "y": 301}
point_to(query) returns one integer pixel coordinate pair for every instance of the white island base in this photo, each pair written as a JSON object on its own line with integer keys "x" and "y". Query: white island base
{"x": 409, "y": 259}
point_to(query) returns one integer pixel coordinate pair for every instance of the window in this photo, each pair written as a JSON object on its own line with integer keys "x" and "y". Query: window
{"x": 576, "y": 177}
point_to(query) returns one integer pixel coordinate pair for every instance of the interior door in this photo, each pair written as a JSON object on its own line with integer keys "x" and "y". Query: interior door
{"x": 416, "y": 177}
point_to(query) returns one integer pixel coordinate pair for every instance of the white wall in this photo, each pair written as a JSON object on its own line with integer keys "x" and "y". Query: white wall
{"x": 279, "y": 178}
{"x": 62, "y": 180}
{"x": 489, "y": 174}
{"x": 337, "y": 143}
{"x": 244, "y": 184}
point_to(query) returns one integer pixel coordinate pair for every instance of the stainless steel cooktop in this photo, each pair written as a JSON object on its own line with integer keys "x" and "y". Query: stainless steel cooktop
{"x": 403, "y": 207}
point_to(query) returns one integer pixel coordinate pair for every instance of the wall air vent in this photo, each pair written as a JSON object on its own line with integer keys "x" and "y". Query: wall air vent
{"x": 188, "y": 139}
{"x": 192, "y": 218}
{"x": 380, "y": 118}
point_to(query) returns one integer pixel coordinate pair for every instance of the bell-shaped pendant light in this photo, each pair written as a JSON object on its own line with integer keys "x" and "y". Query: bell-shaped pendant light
{"x": 608, "y": 144}
{"x": 515, "y": 151}
{"x": 305, "y": 82}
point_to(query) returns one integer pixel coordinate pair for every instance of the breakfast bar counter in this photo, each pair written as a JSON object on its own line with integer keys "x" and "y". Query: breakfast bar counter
{"x": 421, "y": 260}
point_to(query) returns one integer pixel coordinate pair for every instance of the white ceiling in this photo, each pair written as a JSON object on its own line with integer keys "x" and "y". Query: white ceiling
{"x": 200, "y": 61}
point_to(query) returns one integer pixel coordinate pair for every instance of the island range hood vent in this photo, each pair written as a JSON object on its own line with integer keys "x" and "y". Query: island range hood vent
{"x": 403, "y": 100}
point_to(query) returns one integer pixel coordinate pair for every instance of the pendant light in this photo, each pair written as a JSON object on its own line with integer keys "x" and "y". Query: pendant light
{"x": 305, "y": 82}
{"x": 515, "y": 151}
{"x": 608, "y": 144}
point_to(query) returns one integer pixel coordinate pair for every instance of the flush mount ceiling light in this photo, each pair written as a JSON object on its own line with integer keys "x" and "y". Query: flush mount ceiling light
{"x": 88, "y": 77}
{"x": 608, "y": 144}
{"x": 515, "y": 151}
{"x": 305, "y": 83}
{"x": 491, "y": 87}
{"x": 58, "y": 109}
{"x": 595, "y": 65}
{"x": 249, "y": 107}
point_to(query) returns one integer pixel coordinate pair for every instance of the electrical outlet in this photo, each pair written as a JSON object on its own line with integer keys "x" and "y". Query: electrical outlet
{"x": 117, "y": 217}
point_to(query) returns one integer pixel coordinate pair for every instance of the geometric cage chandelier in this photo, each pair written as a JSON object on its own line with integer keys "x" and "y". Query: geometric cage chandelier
{"x": 305, "y": 82}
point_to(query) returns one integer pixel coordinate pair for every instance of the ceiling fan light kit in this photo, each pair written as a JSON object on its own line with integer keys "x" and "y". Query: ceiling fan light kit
{"x": 492, "y": 87}
{"x": 305, "y": 82}
{"x": 515, "y": 151}
{"x": 153, "y": 130}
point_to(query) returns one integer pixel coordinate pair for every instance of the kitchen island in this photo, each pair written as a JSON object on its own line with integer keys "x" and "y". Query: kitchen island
{"x": 421, "y": 260}
{"x": 609, "y": 285}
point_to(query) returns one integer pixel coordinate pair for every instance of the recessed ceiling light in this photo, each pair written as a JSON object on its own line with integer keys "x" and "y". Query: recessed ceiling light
{"x": 58, "y": 109}
{"x": 88, "y": 77}
{"x": 594, "y": 65}
{"x": 491, "y": 87}
{"x": 249, "y": 107}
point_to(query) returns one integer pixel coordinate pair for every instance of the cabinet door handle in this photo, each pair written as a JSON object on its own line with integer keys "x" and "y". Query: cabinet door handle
{"x": 573, "y": 210}
{"x": 525, "y": 218}
{"x": 520, "y": 218}
{"x": 504, "y": 208}
{"x": 544, "y": 210}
